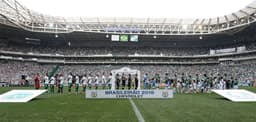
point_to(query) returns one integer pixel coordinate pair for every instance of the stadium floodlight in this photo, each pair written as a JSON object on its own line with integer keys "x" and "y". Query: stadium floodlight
{"x": 154, "y": 36}
{"x": 107, "y": 36}
{"x": 185, "y": 27}
{"x": 51, "y": 25}
{"x": 200, "y": 27}
{"x": 56, "y": 35}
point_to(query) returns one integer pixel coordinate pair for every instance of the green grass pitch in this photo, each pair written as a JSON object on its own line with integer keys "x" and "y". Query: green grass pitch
{"x": 75, "y": 108}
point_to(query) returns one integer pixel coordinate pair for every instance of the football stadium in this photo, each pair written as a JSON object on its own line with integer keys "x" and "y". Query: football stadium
{"x": 127, "y": 60}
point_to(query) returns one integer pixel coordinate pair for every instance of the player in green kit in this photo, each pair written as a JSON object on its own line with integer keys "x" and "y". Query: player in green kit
{"x": 136, "y": 81}
{"x": 46, "y": 82}
{"x": 158, "y": 80}
{"x": 117, "y": 78}
{"x": 52, "y": 83}
{"x": 183, "y": 82}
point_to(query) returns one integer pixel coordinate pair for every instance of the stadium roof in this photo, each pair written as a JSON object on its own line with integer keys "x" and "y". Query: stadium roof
{"x": 136, "y": 8}
{"x": 20, "y": 15}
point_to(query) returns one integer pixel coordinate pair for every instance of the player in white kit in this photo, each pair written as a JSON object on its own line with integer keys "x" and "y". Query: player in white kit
{"x": 109, "y": 81}
{"x": 70, "y": 78}
{"x": 103, "y": 81}
{"x": 96, "y": 81}
{"x": 77, "y": 84}
{"x": 90, "y": 80}
{"x": 84, "y": 82}
{"x": 61, "y": 83}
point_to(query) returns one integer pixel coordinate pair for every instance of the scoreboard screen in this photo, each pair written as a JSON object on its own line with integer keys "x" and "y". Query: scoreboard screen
{"x": 134, "y": 38}
{"x": 115, "y": 37}
{"x": 125, "y": 38}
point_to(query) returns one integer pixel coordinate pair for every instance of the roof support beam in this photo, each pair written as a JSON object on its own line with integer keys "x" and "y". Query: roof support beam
{"x": 30, "y": 15}
{"x": 247, "y": 14}
{"x": 27, "y": 12}
{"x": 201, "y": 26}
{"x": 209, "y": 23}
{"x": 201, "y": 23}
{"x": 178, "y": 25}
{"x": 251, "y": 7}
{"x": 242, "y": 11}
{"x": 160, "y": 28}
{"x": 147, "y": 29}
{"x": 237, "y": 18}
{"x": 85, "y": 25}
{"x": 195, "y": 21}
{"x": 227, "y": 21}
{"x": 226, "y": 18}
{"x": 218, "y": 23}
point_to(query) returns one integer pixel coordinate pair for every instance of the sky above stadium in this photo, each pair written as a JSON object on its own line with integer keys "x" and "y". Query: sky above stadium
{"x": 136, "y": 8}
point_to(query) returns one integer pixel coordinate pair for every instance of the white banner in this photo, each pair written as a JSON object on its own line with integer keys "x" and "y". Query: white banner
{"x": 20, "y": 95}
{"x": 237, "y": 95}
{"x": 241, "y": 49}
{"x": 129, "y": 94}
{"x": 227, "y": 50}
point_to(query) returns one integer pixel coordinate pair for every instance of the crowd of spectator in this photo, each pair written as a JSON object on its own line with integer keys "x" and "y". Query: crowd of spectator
{"x": 109, "y": 50}
{"x": 80, "y": 51}
{"x": 13, "y": 72}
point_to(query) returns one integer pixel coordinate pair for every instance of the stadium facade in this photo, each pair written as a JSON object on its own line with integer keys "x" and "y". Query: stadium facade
{"x": 21, "y": 23}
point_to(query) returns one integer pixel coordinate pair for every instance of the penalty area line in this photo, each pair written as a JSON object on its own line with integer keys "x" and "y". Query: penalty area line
{"x": 136, "y": 110}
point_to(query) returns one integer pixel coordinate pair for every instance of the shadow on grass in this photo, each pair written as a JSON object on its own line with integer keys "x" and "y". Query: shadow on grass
{"x": 38, "y": 99}
{"x": 222, "y": 99}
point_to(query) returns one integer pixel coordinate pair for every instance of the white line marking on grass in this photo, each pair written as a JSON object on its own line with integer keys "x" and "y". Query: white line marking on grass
{"x": 136, "y": 110}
